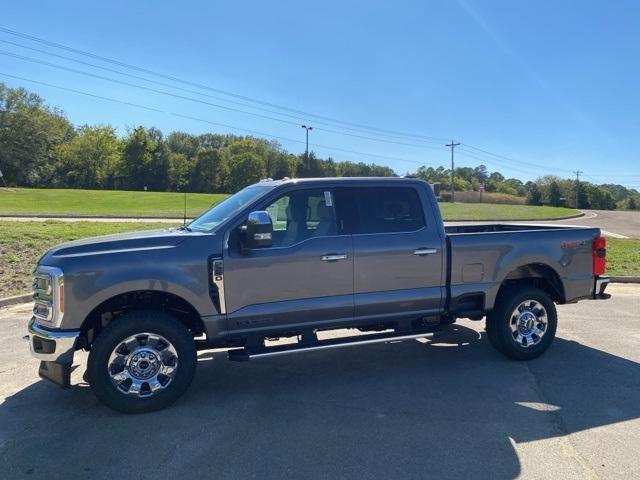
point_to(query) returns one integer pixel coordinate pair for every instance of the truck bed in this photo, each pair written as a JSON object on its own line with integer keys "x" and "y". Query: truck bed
{"x": 482, "y": 256}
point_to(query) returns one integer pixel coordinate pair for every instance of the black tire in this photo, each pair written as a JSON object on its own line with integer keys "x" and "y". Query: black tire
{"x": 498, "y": 323}
{"x": 131, "y": 324}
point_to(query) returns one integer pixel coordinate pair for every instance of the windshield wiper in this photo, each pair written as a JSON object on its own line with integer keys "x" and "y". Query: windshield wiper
{"x": 184, "y": 227}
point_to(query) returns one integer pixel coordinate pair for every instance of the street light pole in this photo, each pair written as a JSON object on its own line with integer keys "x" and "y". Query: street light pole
{"x": 306, "y": 151}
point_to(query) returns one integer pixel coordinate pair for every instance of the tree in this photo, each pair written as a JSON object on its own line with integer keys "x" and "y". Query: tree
{"x": 533, "y": 194}
{"x": 555, "y": 196}
{"x": 29, "y": 133}
{"x": 145, "y": 160}
{"x": 89, "y": 160}
{"x": 211, "y": 170}
{"x": 179, "y": 170}
{"x": 185, "y": 143}
{"x": 481, "y": 173}
{"x": 244, "y": 169}
{"x": 631, "y": 203}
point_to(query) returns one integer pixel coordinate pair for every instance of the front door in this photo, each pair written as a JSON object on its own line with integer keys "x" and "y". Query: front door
{"x": 305, "y": 277}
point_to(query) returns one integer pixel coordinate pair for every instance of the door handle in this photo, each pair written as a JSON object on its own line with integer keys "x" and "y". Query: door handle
{"x": 424, "y": 251}
{"x": 333, "y": 257}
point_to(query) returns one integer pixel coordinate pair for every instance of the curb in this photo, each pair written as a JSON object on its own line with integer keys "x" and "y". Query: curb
{"x": 625, "y": 279}
{"x": 5, "y": 302}
{"x": 546, "y": 219}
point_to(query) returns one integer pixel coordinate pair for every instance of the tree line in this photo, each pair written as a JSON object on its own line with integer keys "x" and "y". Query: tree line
{"x": 40, "y": 147}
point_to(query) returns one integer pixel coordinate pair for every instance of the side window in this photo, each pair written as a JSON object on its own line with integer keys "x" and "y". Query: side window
{"x": 389, "y": 209}
{"x": 302, "y": 214}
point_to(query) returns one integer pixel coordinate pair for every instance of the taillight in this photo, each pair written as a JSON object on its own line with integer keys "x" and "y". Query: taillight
{"x": 599, "y": 255}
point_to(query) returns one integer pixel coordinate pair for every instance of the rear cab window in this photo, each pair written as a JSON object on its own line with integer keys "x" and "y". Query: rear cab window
{"x": 367, "y": 210}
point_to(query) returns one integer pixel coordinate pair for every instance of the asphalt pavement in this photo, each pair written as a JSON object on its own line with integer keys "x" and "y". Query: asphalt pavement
{"x": 614, "y": 223}
{"x": 618, "y": 224}
{"x": 450, "y": 407}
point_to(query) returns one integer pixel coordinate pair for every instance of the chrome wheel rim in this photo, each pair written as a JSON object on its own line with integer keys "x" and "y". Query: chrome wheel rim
{"x": 528, "y": 323}
{"x": 142, "y": 365}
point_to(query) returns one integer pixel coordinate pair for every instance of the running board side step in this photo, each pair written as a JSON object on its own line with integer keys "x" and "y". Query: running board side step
{"x": 243, "y": 354}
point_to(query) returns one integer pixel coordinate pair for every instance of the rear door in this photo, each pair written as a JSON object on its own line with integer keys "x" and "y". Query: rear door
{"x": 398, "y": 258}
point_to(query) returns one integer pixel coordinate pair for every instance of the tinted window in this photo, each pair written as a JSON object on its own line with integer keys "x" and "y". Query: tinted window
{"x": 302, "y": 214}
{"x": 388, "y": 209}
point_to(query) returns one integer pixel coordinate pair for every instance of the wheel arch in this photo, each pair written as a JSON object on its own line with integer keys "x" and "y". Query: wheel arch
{"x": 536, "y": 274}
{"x": 120, "y": 303}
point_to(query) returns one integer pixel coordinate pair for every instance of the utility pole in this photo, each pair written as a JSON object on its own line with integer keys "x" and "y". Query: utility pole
{"x": 452, "y": 145}
{"x": 306, "y": 151}
{"x": 578, "y": 173}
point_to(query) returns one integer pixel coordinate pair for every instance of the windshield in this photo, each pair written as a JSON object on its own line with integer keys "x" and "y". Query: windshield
{"x": 225, "y": 209}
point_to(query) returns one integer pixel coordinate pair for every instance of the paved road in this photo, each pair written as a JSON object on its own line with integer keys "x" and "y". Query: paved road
{"x": 618, "y": 224}
{"x": 615, "y": 223}
{"x": 448, "y": 408}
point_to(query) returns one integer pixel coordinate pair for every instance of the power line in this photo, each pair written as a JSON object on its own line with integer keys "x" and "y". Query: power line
{"x": 496, "y": 163}
{"x": 150, "y": 89}
{"x": 505, "y": 158}
{"x": 209, "y": 88}
{"x": 343, "y": 124}
{"x": 101, "y": 77}
{"x": 247, "y": 105}
{"x": 233, "y": 127}
{"x": 378, "y": 131}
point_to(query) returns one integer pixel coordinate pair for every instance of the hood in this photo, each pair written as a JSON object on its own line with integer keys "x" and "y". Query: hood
{"x": 118, "y": 243}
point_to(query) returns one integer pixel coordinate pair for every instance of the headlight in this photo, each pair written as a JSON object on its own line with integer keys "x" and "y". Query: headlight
{"x": 48, "y": 295}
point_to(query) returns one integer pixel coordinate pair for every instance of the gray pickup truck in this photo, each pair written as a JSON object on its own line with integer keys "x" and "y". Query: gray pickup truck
{"x": 295, "y": 259}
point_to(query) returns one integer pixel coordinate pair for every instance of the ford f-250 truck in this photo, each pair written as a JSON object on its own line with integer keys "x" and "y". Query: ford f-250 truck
{"x": 295, "y": 258}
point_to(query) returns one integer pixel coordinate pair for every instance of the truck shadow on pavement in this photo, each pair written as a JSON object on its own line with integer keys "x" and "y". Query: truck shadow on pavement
{"x": 449, "y": 408}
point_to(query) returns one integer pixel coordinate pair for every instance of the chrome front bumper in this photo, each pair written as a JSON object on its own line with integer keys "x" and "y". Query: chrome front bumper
{"x": 52, "y": 345}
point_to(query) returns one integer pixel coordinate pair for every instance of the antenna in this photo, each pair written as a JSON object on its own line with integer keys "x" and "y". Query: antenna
{"x": 184, "y": 218}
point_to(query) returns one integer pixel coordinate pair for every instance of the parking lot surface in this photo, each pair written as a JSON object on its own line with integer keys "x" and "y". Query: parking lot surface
{"x": 450, "y": 407}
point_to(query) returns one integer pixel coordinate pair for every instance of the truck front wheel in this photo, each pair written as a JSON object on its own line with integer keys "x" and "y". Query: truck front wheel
{"x": 142, "y": 361}
{"x": 523, "y": 323}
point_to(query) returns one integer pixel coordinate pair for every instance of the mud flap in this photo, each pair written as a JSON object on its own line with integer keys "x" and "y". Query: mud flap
{"x": 58, "y": 373}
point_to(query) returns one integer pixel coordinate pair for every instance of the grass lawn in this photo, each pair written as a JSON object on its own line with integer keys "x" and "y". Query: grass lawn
{"x": 623, "y": 256}
{"x": 495, "y": 211}
{"x": 116, "y": 203}
{"x": 22, "y": 244}
{"x": 170, "y": 205}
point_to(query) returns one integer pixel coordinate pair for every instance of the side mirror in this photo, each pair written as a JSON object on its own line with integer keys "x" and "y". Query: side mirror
{"x": 258, "y": 232}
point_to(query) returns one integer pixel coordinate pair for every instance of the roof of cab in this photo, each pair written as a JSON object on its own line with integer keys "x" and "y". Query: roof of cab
{"x": 272, "y": 182}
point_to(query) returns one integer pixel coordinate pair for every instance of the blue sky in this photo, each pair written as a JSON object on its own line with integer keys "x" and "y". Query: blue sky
{"x": 550, "y": 86}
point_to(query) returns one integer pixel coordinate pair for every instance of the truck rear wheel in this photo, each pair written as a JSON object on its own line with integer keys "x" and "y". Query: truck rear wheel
{"x": 523, "y": 323}
{"x": 142, "y": 361}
